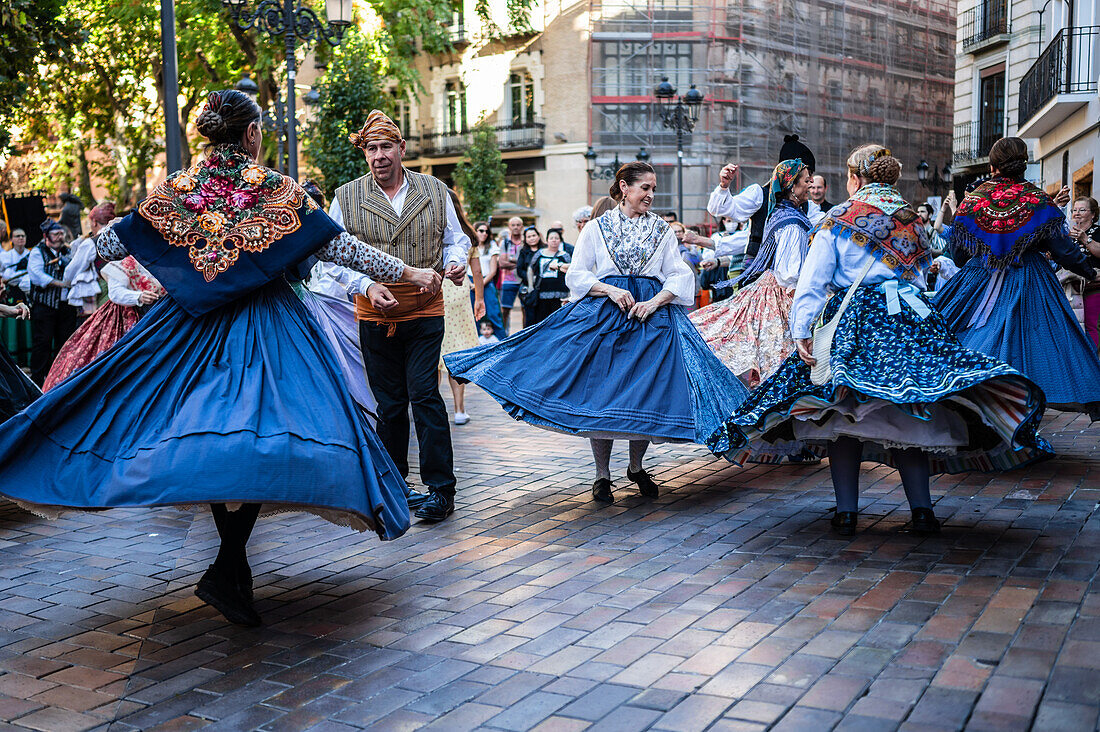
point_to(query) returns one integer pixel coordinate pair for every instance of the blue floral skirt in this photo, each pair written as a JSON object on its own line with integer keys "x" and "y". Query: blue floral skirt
{"x": 245, "y": 404}
{"x": 898, "y": 381}
{"x": 588, "y": 370}
{"x": 1031, "y": 327}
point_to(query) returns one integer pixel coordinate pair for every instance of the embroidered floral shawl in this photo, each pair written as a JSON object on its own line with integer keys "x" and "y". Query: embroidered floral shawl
{"x": 878, "y": 219}
{"x": 222, "y": 206}
{"x": 631, "y": 242}
{"x": 1002, "y": 218}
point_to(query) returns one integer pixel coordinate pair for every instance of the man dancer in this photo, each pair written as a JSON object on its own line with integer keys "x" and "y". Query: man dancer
{"x": 411, "y": 216}
{"x": 52, "y": 319}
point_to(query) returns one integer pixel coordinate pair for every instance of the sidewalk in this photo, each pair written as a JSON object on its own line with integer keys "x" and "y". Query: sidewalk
{"x": 726, "y": 604}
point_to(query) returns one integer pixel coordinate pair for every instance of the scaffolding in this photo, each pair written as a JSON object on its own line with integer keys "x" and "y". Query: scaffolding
{"x": 836, "y": 72}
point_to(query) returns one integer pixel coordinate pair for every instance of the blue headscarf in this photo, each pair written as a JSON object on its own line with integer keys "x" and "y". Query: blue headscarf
{"x": 783, "y": 178}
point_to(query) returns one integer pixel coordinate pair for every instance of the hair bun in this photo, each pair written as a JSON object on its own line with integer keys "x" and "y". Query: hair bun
{"x": 210, "y": 124}
{"x": 1014, "y": 168}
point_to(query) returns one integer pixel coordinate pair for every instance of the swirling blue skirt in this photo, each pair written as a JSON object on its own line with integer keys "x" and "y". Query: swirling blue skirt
{"x": 1031, "y": 327}
{"x": 910, "y": 369}
{"x": 588, "y": 370}
{"x": 16, "y": 390}
{"x": 242, "y": 405}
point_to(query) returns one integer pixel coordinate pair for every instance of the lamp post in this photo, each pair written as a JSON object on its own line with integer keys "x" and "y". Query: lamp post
{"x": 681, "y": 115}
{"x": 173, "y": 138}
{"x": 293, "y": 22}
{"x": 938, "y": 182}
{"x": 607, "y": 172}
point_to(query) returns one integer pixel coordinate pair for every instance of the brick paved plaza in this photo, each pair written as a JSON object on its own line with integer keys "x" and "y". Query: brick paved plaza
{"x": 724, "y": 605}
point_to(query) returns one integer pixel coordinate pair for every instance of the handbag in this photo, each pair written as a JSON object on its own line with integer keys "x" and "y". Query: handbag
{"x": 822, "y": 370}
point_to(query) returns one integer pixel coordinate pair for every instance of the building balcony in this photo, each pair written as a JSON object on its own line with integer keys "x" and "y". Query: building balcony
{"x": 512, "y": 136}
{"x": 973, "y": 141}
{"x": 1061, "y": 81}
{"x": 985, "y": 25}
{"x": 412, "y": 146}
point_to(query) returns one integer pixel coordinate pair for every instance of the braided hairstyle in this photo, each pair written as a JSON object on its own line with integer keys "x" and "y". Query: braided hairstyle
{"x": 226, "y": 116}
{"x": 874, "y": 164}
{"x": 1008, "y": 157}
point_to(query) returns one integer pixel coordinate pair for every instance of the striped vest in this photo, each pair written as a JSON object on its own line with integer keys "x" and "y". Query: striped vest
{"x": 416, "y": 236}
{"x": 53, "y": 264}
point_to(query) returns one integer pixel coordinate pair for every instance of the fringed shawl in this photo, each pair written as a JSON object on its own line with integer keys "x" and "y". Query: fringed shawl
{"x": 1002, "y": 218}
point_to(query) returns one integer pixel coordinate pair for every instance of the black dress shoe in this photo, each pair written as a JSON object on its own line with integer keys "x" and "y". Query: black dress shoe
{"x": 806, "y": 457}
{"x": 415, "y": 499}
{"x": 601, "y": 491}
{"x": 844, "y": 523}
{"x": 436, "y": 507}
{"x": 646, "y": 486}
{"x": 224, "y": 595}
{"x": 924, "y": 521}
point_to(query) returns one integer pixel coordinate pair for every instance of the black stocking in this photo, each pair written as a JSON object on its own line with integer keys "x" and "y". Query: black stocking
{"x": 234, "y": 528}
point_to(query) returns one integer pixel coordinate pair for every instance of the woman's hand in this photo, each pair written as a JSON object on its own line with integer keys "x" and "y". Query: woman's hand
{"x": 644, "y": 309}
{"x": 806, "y": 350}
{"x": 1062, "y": 198}
{"x": 22, "y": 311}
{"x": 479, "y": 308}
{"x": 709, "y": 263}
{"x": 428, "y": 280}
{"x": 148, "y": 298}
{"x": 622, "y": 298}
{"x": 380, "y": 297}
{"x": 562, "y": 267}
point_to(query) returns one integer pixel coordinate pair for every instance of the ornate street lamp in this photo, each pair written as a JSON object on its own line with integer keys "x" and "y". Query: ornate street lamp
{"x": 681, "y": 115}
{"x": 292, "y": 22}
{"x": 937, "y": 181}
{"x": 607, "y": 172}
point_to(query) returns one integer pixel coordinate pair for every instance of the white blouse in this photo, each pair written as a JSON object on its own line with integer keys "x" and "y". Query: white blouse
{"x": 592, "y": 261}
{"x": 80, "y": 273}
{"x": 832, "y": 265}
{"x": 118, "y": 284}
{"x": 788, "y": 255}
{"x": 738, "y": 207}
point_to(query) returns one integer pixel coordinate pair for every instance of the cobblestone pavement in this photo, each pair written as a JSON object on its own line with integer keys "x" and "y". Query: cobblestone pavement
{"x": 726, "y": 604}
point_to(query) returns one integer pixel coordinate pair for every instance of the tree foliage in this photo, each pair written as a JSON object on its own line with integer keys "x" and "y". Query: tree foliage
{"x": 350, "y": 88}
{"x": 480, "y": 173}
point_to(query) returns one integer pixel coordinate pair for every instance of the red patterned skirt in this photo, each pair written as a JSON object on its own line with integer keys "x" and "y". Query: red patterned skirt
{"x": 749, "y": 331}
{"x": 98, "y": 333}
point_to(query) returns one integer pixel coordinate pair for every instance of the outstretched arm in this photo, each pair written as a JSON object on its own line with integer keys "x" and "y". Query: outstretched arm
{"x": 347, "y": 251}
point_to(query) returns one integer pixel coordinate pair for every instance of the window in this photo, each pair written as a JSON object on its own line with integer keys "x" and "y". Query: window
{"x": 633, "y": 68}
{"x": 991, "y": 95}
{"x": 402, "y": 114}
{"x": 521, "y": 99}
{"x": 454, "y": 109}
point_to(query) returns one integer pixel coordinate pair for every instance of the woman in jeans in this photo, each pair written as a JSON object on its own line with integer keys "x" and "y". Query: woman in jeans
{"x": 488, "y": 254}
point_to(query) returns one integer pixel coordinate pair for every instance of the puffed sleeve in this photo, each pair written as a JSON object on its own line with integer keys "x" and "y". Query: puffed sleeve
{"x": 789, "y": 252}
{"x": 109, "y": 247}
{"x": 347, "y": 251}
{"x": 739, "y": 207}
{"x": 812, "y": 292}
{"x": 118, "y": 285}
{"x": 675, "y": 275}
{"x": 582, "y": 271}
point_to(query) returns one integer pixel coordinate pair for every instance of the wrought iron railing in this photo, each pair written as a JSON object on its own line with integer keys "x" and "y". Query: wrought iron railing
{"x": 412, "y": 146}
{"x": 1066, "y": 66}
{"x": 988, "y": 20}
{"x": 518, "y": 136}
{"x": 974, "y": 139}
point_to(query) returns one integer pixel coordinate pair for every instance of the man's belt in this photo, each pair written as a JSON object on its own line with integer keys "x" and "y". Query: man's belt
{"x": 411, "y": 305}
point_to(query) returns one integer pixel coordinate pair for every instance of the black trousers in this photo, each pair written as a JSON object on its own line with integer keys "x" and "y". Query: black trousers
{"x": 403, "y": 371}
{"x": 50, "y": 328}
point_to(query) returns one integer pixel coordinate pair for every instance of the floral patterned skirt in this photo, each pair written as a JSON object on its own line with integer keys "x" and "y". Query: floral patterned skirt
{"x": 749, "y": 331}
{"x": 899, "y": 380}
{"x": 98, "y": 333}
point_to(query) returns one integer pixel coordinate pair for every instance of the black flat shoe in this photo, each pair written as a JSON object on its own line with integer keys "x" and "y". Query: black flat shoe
{"x": 806, "y": 457}
{"x": 924, "y": 521}
{"x": 436, "y": 507}
{"x": 415, "y": 499}
{"x": 646, "y": 486}
{"x": 225, "y": 596}
{"x": 601, "y": 491}
{"x": 844, "y": 523}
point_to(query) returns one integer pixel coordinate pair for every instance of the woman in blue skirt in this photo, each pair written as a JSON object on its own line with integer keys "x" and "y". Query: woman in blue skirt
{"x": 1007, "y": 301}
{"x": 621, "y": 360}
{"x": 226, "y": 393}
{"x": 902, "y": 391}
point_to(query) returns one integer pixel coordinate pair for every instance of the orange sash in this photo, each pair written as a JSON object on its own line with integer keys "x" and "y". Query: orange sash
{"x": 411, "y": 304}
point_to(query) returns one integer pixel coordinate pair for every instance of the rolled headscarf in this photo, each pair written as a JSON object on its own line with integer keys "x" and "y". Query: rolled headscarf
{"x": 49, "y": 225}
{"x": 378, "y": 128}
{"x": 103, "y": 213}
{"x": 786, "y": 173}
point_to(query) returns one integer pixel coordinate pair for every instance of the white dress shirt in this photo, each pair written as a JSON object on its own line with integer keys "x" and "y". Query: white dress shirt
{"x": 8, "y": 260}
{"x": 738, "y": 207}
{"x": 832, "y": 265}
{"x": 36, "y": 270}
{"x": 592, "y": 262}
{"x": 456, "y": 245}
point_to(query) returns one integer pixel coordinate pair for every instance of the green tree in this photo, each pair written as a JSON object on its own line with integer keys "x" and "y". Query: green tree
{"x": 350, "y": 88}
{"x": 480, "y": 173}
